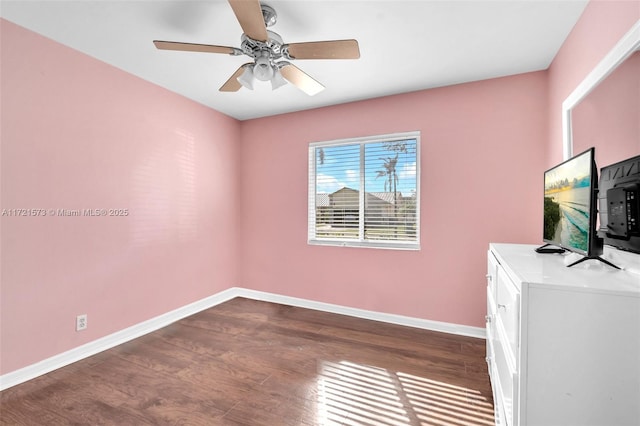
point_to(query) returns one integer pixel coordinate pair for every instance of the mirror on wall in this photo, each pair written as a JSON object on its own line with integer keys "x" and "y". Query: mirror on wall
{"x": 604, "y": 110}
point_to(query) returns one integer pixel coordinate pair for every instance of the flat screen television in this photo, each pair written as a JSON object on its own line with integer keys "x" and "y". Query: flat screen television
{"x": 570, "y": 208}
{"x": 619, "y": 205}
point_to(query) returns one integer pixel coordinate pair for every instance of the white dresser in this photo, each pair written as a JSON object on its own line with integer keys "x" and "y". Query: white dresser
{"x": 563, "y": 344}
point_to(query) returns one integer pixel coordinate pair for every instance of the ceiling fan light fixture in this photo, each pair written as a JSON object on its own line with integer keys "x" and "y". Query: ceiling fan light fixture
{"x": 263, "y": 70}
{"x": 277, "y": 80}
{"x": 246, "y": 78}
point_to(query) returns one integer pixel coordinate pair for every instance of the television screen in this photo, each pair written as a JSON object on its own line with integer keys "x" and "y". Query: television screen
{"x": 569, "y": 204}
{"x": 619, "y": 202}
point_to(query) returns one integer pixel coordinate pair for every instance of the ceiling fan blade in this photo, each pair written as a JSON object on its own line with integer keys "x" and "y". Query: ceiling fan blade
{"x": 193, "y": 47}
{"x": 333, "y": 49}
{"x": 233, "y": 85}
{"x": 301, "y": 80}
{"x": 249, "y": 15}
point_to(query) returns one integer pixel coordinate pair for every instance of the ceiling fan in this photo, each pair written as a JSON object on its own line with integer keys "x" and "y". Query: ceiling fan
{"x": 270, "y": 54}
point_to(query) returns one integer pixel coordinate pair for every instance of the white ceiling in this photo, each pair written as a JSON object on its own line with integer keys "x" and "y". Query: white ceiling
{"x": 404, "y": 45}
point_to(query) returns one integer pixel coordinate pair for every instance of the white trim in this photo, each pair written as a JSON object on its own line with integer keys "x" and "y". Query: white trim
{"x": 628, "y": 44}
{"x": 107, "y": 342}
{"x": 390, "y": 137}
{"x": 81, "y": 352}
{"x": 375, "y": 244}
{"x": 311, "y": 193}
{"x": 443, "y": 327}
{"x": 418, "y": 188}
{"x": 362, "y": 196}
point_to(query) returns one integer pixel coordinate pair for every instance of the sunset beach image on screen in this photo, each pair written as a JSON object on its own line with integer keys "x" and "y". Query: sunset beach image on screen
{"x": 567, "y": 201}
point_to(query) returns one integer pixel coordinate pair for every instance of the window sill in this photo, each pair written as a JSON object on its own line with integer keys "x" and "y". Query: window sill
{"x": 366, "y": 244}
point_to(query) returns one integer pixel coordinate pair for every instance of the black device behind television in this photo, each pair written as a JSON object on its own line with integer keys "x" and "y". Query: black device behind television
{"x": 570, "y": 208}
{"x": 619, "y": 205}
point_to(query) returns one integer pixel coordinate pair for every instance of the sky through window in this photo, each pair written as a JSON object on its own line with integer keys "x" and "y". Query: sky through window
{"x": 339, "y": 167}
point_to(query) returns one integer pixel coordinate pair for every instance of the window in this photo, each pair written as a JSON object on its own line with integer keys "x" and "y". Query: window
{"x": 365, "y": 192}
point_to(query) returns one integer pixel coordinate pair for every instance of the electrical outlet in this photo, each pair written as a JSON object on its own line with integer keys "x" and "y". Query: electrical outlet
{"x": 81, "y": 322}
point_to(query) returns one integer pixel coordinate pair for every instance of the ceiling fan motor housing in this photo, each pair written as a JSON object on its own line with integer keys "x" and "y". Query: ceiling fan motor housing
{"x": 253, "y": 48}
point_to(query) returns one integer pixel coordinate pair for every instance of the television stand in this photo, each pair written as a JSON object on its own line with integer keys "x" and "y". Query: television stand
{"x": 550, "y": 249}
{"x": 594, "y": 258}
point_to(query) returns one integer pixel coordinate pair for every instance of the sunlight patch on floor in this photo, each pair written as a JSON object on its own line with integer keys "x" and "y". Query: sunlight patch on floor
{"x": 355, "y": 394}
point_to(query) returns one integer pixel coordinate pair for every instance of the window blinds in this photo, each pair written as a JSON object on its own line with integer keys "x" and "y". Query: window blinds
{"x": 365, "y": 192}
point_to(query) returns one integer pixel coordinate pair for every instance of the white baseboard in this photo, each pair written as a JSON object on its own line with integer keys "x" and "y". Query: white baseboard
{"x": 107, "y": 342}
{"x": 57, "y": 361}
{"x": 443, "y": 327}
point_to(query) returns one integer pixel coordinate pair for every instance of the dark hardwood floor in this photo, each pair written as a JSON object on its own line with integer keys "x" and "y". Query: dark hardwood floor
{"x": 246, "y": 362}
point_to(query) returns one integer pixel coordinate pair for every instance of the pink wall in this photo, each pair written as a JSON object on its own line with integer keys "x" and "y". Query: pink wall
{"x": 601, "y": 25}
{"x": 482, "y": 154}
{"x": 76, "y": 134}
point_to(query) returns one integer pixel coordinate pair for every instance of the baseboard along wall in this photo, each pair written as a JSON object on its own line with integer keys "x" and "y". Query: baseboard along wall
{"x": 76, "y": 354}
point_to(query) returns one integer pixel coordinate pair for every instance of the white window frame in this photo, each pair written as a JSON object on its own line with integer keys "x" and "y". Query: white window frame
{"x": 361, "y": 242}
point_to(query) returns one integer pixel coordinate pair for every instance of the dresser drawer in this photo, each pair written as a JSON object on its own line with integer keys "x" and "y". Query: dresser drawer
{"x": 507, "y": 312}
{"x": 498, "y": 407}
{"x": 490, "y": 328}
{"x": 505, "y": 382}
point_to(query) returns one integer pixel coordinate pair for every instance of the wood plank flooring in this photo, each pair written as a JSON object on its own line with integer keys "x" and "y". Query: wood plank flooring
{"x": 254, "y": 363}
